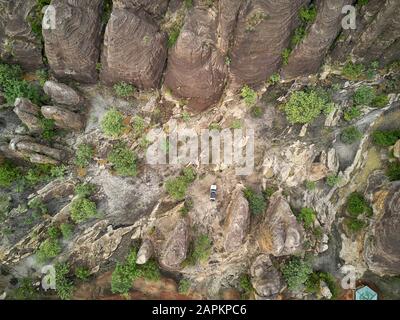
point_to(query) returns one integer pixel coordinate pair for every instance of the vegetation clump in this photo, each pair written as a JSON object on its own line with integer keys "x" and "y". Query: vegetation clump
{"x": 350, "y": 135}
{"x": 245, "y": 286}
{"x": 393, "y": 171}
{"x": 113, "y": 123}
{"x": 123, "y": 89}
{"x": 48, "y": 249}
{"x": 82, "y": 209}
{"x": 385, "y": 138}
{"x": 248, "y": 95}
{"x": 353, "y": 71}
{"x": 333, "y": 180}
{"x": 64, "y": 286}
{"x": 184, "y": 286}
{"x": 313, "y": 283}
{"x": 364, "y": 95}
{"x": 201, "y": 250}
{"x": 257, "y": 202}
{"x": 307, "y": 216}
{"x": 177, "y": 187}
{"x": 84, "y": 154}
{"x": 358, "y": 210}
{"x": 8, "y": 174}
{"x": 123, "y": 160}
{"x": 296, "y": 272}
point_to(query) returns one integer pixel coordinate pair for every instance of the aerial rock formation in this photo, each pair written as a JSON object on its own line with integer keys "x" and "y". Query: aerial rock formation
{"x": 29, "y": 114}
{"x": 63, "y": 118}
{"x": 73, "y": 46}
{"x": 61, "y": 93}
{"x": 155, "y": 8}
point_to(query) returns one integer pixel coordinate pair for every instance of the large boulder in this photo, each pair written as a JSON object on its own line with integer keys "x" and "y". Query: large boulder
{"x": 61, "y": 93}
{"x": 73, "y": 46}
{"x": 237, "y": 221}
{"x": 196, "y": 68}
{"x": 267, "y": 281}
{"x": 280, "y": 233}
{"x": 135, "y": 50}
{"x": 145, "y": 252}
{"x": 63, "y": 118}
{"x": 28, "y": 113}
{"x": 18, "y": 44}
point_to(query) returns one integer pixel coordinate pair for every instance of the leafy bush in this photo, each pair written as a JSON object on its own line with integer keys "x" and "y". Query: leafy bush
{"x": 296, "y": 272}
{"x": 48, "y": 249}
{"x": 385, "y": 138}
{"x": 174, "y": 33}
{"x": 305, "y": 107}
{"x": 313, "y": 284}
{"x": 64, "y": 286}
{"x": 48, "y": 128}
{"x": 123, "y": 160}
{"x": 308, "y": 14}
{"x": 352, "y": 113}
{"x": 138, "y": 125}
{"x": 82, "y": 273}
{"x": 350, "y": 135}
{"x": 5, "y": 206}
{"x": 245, "y": 286}
{"x": 84, "y": 154}
{"x": 184, "y": 286}
{"x": 176, "y": 187}
{"x": 380, "y": 101}
{"x": 201, "y": 250}
{"x": 66, "y": 230}
{"x": 298, "y": 36}
{"x": 53, "y": 232}
{"x": 274, "y": 78}
{"x": 310, "y": 185}
{"x": 38, "y": 206}
{"x": 37, "y": 174}
{"x": 364, "y": 95}
{"x": 25, "y": 290}
{"x": 36, "y": 17}
{"x": 357, "y": 205}
{"x": 8, "y": 174}
{"x": 58, "y": 171}
{"x": 107, "y": 9}
{"x": 85, "y": 189}
{"x": 285, "y": 56}
{"x": 307, "y": 216}
{"x": 123, "y": 89}
{"x": 393, "y": 171}
{"x": 354, "y": 224}
{"x": 353, "y": 71}
{"x": 82, "y": 209}
{"x": 248, "y": 95}
{"x": 113, "y": 123}
{"x": 256, "y": 201}
{"x": 332, "y": 180}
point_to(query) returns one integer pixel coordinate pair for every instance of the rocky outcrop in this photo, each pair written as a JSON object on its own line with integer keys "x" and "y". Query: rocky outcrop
{"x": 263, "y": 31}
{"x": 18, "y": 44}
{"x": 63, "y": 118}
{"x": 267, "y": 281}
{"x": 396, "y": 149}
{"x": 72, "y": 47}
{"x": 279, "y": 233}
{"x": 237, "y": 221}
{"x": 196, "y": 68}
{"x": 309, "y": 55}
{"x": 135, "y": 50}
{"x": 176, "y": 246}
{"x": 62, "y": 94}
{"x": 156, "y": 8}
{"x": 29, "y": 114}
{"x": 382, "y": 247}
{"x": 145, "y": 252}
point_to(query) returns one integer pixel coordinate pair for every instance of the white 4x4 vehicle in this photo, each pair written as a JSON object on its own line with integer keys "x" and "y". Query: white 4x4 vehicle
{"x": 213, "y": 192}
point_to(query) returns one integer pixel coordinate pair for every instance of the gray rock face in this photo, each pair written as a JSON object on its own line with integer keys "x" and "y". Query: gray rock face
{"x": 308, "y": 56}
{"x": 176, "y": 247}
{"x": 263, "y": 31}
{"x": 72, "y": 47}
{"x": 279, "y": 233}
{"x": 145, "y": 252}
{"x": 237, "y": 222}
{"x": 266, "y": 279}
{"x": 196, "y": 68}
{"x": 28, "y": 113}
{"x": 63, "y": 118}
{"x": 382, "y": 250}
{"x": 153, "y": 7}
{"x": 135, "y": 50}
{"x": 61, "y": 93}
{"x": 17, "y": 42}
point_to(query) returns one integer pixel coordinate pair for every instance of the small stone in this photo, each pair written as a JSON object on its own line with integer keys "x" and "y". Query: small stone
{"x": 325, "y": 291}
{"x": 145, "y": 252}
{"x": 396, "y": 149}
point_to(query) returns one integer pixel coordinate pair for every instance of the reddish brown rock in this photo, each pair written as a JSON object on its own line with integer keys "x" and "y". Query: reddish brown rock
{"x": 154, "y": 7}
{"x": 61, "y": 93}
{"x": 28, "y": 113}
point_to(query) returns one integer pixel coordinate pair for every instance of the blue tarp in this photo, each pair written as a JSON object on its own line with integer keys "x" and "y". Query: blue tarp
{"x": 366, "y": 293}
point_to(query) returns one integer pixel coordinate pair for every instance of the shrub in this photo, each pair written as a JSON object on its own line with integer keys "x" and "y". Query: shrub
{"x": 107, "y": 9}
{"x": 274, "y": 79}
{"x": 5, "y": 205}
{"x": 311, "y": 185}
{"x": 66, "y": 230}
{"x": 58, "y": 171}
{"x": 352, "y": 113}
{"x": 8, "y": 174}
{"x": 36, "y": 17}
{"x": 285, "y": 56}
{"x": 82, "y": 273}
{"x": 48, "y": 249}
{"x": 184, "y": 286}
{"x": 53, "y": 232}
{"x": 393, "y": 171}
{"x": 84, "y": 154}
{"x": 248, "y": 95}
{"x": 350, "y": 135}
{"x": 177, "y": 187}
{"x": 313, "y": 283}
{"x": 123, "y": 89}
{"x": 214, "y": 126}
{"x": 332, "y": 180}
{"x": 48, "y": 128}
{"x": 353, "y": 71}
{"x": 123, "y": 160}
{"x": 245, "y": 286}
{"x": 236, "y": 124}
{"x": 37, "y": 174}
{"x": 380, "y": 101}
{"x": 113, "y": 123}
{"x": 298, "y": 36}
{"x": 385, "y": 138}
{"x": 256, "y": 201}
{"x": 138, "y": 125}
{"x": 305, "y": 107}
{"x": 25, "y": 290}
{"x": 308, "y": 15}
{"x": 64, "y": 286}
{"x": 357, "y": 205}
{"x": 42, "y": 75}
{"x": 201, "y": 250}
{"x": 354, "y": 224}
{"x": 82, "y": 209}
{"x": 254, "y": 20}
{"x": 85, "y": 189}
{"x": 21, "y": 89}
{"x": 364, "y": 96}
{"x": 296, "y": 272}
{"x": 307, "y": 216}
{"x": 174, "y": 33}
{"x": 38, "y": 206}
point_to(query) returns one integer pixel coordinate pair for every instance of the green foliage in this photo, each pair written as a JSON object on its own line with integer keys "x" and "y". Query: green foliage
{"x": 113, "y": 123}
{"x": 125, "y": 273}
{"x": 308, "y": 14}
{"x": 361, "y": 3}
{"x": 174, "y": 33}
{"x": 214, "y": 126}
{"x": 123, "y": 89}
{"x": 66, "y": 230}
{"x": 385, "y": 138}
{"x": 332, "y": 180}
{"x": 53, "y": 232}
{"x": 310, "y": 185}
{"x": 355, "y": 225}
{"x": 123, "y": 160}
{"x": 82, "y": 209}
{"x": 307, "y": 216}
{"x": 305, "y": 107}
{"x": 236, "y": 124}
{"x": 107, "y": 9}
{"x": 380, "y": 101}
{"x": 357, "y": 205}
{"x": 274, "y": 78}
{"x": 248, "y": 95}
{"x": 43, "y": 76}
{"x": 85, "y": 189}
{"x": 393, "y": 171}
{"x": 188, "y": 3}
{"x": 38, "y": 206}
{"x": 8, "y": 174}
{"x": 298, "y": 36}
{"x": 58, "y": 171}
{"x": 313, "y": 284}
{"x": 5, "y": 206}
{"x": 201, "y": 250}
{"x": 184, "y": 286}
{"x": 64, "y": 286}
{"x": 352, "y": 113}
{"x": 84, "y": 154}
{"x": 245, "y": 285}
{"x": 82, "y": 273}
{"x": 177, "y": 187}
{"x": 48, "y": 128}
{"x": 25, "y": 290}
{"x": 256, "y": 111}
{"x": 353, "y": 71}
{"x": 364, "y": 95}
{"x": 256, "y": 201}
{"x": 48, "y": 249}
{"x": 36, "y": 17}
{"x": 138, "y": 125}
{"x": 350, "y": 135}
{"x": 285, "y": 56}
{"x": 296, "y": 272}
